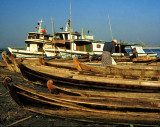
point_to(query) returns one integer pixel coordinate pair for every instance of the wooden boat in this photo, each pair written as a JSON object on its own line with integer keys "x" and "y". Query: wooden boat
{"x": 35, "y": 43}
{"x": 65, "y": 63}
{"x": 85, "y": 80}
{"x": 142, "y": 110}
{"x": 2, "y": 63}
{"x": 9, "y": 61}
{"x": 145, "y": 59}
{"x": 139, "y": 71}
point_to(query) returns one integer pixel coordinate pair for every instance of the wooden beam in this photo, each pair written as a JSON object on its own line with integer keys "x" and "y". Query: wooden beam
{"x": 19, "y": 121}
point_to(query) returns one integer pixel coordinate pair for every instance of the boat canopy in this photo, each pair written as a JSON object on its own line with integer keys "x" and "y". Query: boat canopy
{"x": 129, "y": 44}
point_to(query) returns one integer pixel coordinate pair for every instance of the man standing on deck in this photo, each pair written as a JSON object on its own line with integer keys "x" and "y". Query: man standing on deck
{"x": 108, "y": 49}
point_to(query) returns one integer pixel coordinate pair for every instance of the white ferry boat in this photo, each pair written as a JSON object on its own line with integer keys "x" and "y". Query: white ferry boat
{"x": 36, "y": 42}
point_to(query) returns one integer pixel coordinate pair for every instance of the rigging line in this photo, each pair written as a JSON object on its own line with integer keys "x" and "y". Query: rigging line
{"x": 148, "y": 47}
{"x": 110, "y": 28}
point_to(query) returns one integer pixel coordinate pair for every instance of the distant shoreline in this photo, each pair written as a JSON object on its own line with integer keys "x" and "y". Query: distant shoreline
{"x": 148, "y": 48}
{"x": 151, "y": 47}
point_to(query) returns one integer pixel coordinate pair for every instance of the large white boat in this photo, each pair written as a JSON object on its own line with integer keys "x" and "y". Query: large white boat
{"x": 80, "y": 45}
{"x": 64, "y": 47}
{"x": 36, "y": 42}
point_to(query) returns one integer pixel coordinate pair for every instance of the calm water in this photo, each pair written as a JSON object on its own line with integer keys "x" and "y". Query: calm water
{"x": 146, "y": 50}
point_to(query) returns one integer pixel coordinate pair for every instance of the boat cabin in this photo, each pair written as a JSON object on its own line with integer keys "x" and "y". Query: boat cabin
{"x": 35, "y": 41}
{"x": 65, "y": 35}
{"x": 78, "y": 42}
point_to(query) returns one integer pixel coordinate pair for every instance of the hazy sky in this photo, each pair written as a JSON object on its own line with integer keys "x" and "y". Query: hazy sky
{"x": 131, "y": 20}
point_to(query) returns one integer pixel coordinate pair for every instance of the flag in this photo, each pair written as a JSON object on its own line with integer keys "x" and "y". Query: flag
{"x": 69, "y": 23}
{"x": 36, "y": 28}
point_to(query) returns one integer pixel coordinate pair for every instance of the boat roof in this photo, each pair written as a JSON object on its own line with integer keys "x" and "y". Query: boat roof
{"x": 99, "y": 41}
{"x": 68, "y": 32}
{"x": 120, "y": 43}
{"x": 83, "y": 40}
{"x": 129, "y": 44}
{"x": 40, "y": 33}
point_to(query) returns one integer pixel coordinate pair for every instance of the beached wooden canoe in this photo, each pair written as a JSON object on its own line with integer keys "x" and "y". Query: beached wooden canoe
{"x": 86, "y": 80}
{"x": 110, "y": 109}
{"x": 145, "y": 59}
{"x": 60, "y": 63}
{"x": 2, "y": 63}
{"x": 125, "y": 71}
{"x": 136, "y": 71}
{"x": 9, "y": 61}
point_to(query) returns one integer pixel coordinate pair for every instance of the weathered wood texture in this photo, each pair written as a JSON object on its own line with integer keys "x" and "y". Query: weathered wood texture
{"x": 10, "y": 61}
{"x": 109, "y": 109}
{"x": 73, "y": 78}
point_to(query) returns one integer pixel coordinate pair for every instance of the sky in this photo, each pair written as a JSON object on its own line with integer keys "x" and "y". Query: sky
{"x": 133, "y": 21}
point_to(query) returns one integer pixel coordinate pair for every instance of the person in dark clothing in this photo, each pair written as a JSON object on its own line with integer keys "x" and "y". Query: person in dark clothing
{"x": 108, "y": 49}
{"x": 135, "y": 54}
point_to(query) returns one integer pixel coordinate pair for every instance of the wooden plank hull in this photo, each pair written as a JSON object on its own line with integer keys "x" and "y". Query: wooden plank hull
{"x": 117, "y": 110}
{"x": 132, "y": 71}
{"x": 103, "y": 83}
{"x": 151, "y": 73}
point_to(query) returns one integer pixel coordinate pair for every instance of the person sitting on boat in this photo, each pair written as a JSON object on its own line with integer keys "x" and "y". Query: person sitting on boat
{"x": 135, "y": 54}
{"x": 108, "y": 49}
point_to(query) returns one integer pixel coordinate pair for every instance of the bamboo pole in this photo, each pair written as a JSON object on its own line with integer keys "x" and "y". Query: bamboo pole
{"x": 70, "y": 31}
{"x": 53, "y": 40}
{"x": 19, "y": 121}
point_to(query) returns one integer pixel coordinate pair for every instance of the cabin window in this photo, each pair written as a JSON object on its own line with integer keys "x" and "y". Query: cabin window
{"x": 29, "y": 37}
{"x": 67, "y": 45}
{"x": 37, "y": 37}
{"x": 33, "y": 37}
{"x": 41, "y": 37}
{"x": 66, "y": 36}
{"x": 61, "y": 37}
{"x": 27, "y": 45}
{"x": 46, "y": 37}
{"x": 98, "y": 46}
{"x": 40, "y": 47}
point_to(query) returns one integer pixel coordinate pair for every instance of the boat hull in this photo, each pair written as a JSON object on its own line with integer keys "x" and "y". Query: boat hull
{"x": 64, "y": 53}
{"x": 67, "y": 81}
{"x": 25, "y": 53}
{"x": 72, "y": 107}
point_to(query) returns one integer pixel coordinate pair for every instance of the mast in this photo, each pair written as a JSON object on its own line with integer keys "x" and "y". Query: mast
{"x": 83, "y": 33}
{"x": 52, "y": 24}
{"x": 40, "y": 25}
{"x": 53, "y": 38}
{"x": 70, "y": 31}
{"x": 40, "y": 31}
